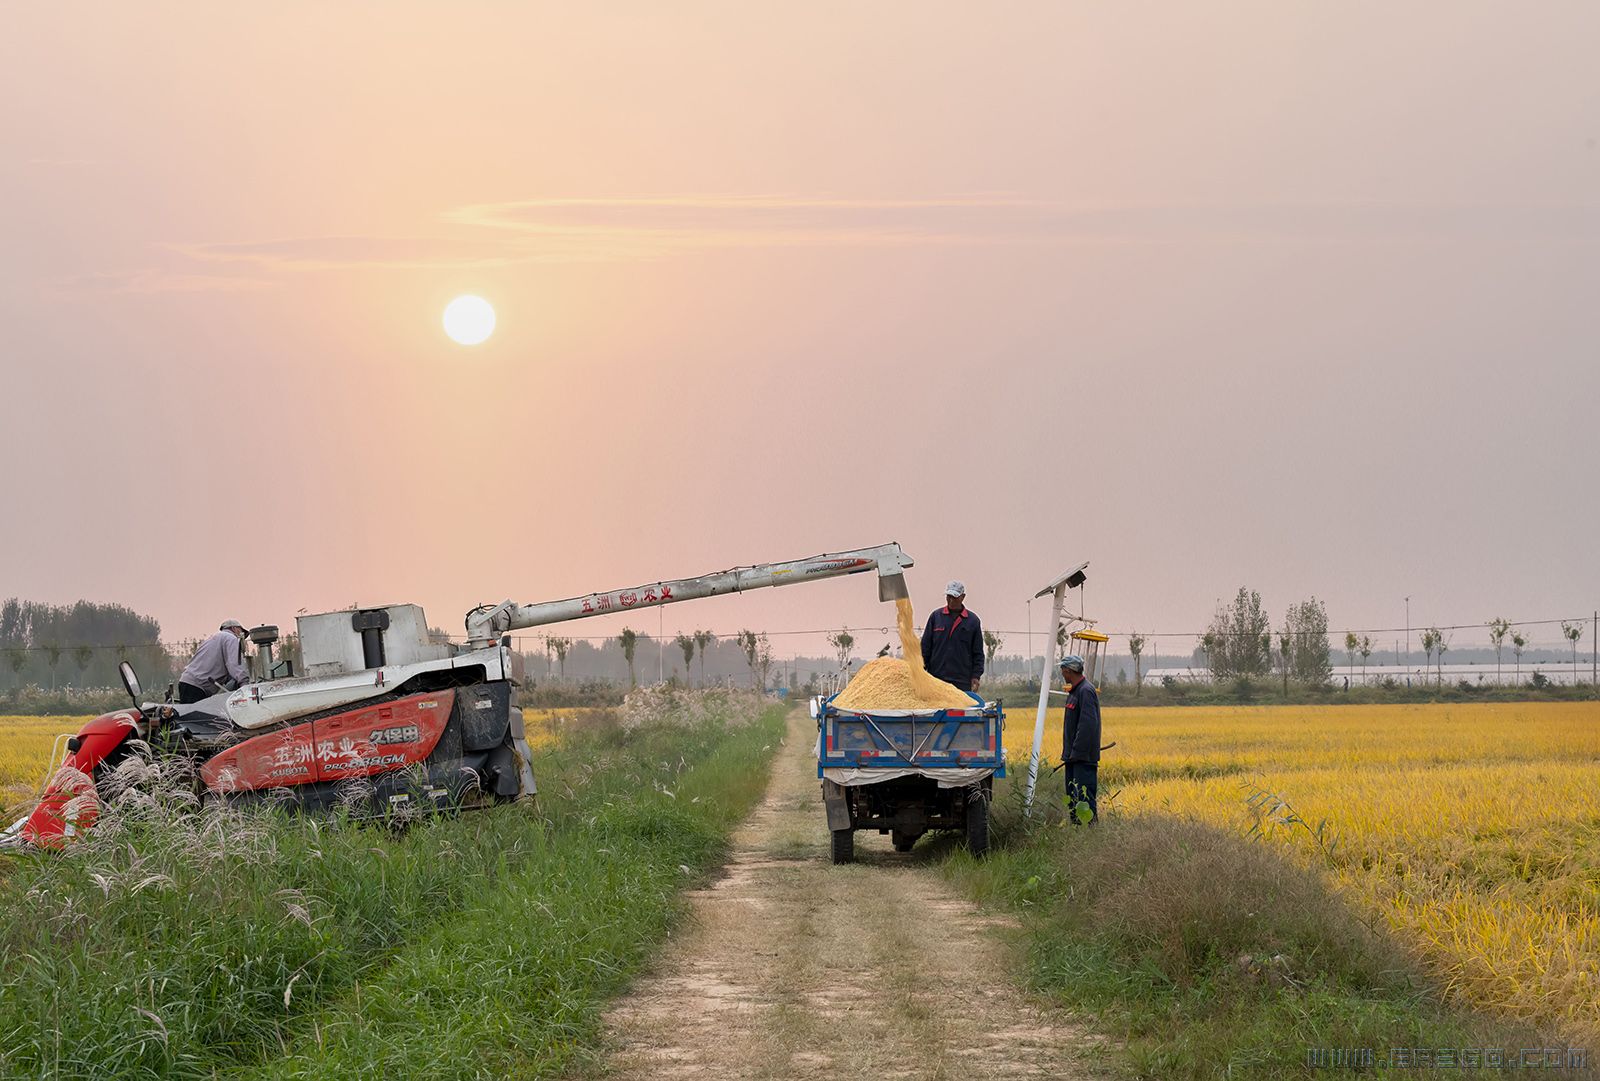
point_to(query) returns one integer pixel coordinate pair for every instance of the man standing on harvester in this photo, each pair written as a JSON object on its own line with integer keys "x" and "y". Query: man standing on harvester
{"x": 952, "y": 642}
{"x": 219, "y": 662}
{"x": 1080, "y": 739}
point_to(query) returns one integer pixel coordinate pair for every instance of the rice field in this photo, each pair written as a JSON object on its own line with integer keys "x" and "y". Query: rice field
{"x": 1473, "y": 830}
{"x": 25, "y": 744}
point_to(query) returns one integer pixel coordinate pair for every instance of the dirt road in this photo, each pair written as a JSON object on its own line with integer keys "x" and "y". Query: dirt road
{"x": 793, "y": 968}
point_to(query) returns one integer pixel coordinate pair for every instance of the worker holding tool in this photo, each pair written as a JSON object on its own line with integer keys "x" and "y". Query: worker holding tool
{"x": 219, "y": 660}
{"x": 952, "y": 642}
{"x": 1080, "y": 738}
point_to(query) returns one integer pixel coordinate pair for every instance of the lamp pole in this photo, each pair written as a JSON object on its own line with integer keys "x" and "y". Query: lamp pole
{"x": 1057, "y": 591}
{"x": 1407, "y": 661}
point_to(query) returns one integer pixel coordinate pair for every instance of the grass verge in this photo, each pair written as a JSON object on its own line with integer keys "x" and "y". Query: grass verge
{"x": 1203, "y": 954}
{"x": 481, "y": 946}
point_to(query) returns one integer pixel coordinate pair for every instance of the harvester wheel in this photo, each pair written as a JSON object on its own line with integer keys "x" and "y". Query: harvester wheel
{"x": 978, "y": 822}
{"x": 844, "y": 846}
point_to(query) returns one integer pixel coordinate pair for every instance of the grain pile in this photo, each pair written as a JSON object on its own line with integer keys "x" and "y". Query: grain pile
{"x": 886, "y": 684}
{"x": 892, "y": 683}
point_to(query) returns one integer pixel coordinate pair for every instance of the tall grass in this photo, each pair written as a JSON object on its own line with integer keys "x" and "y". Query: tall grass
{"x": 1208, "y": 954}
{"x": 483, "y": 945}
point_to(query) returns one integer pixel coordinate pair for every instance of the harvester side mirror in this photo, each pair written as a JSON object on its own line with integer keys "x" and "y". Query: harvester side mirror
{"x": 130, "y": 680}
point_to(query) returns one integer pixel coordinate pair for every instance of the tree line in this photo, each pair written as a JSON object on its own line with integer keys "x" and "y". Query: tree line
{"x": 48, "y": 645}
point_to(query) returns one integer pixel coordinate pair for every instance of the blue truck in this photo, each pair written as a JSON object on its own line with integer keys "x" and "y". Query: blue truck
{"x": 905, "y": 772}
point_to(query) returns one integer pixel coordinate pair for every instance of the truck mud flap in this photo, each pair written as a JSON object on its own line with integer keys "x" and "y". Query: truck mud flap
{"x": 836, "y": 804}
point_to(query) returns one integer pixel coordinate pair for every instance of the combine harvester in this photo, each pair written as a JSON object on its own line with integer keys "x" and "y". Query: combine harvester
{"x": 382, "y": 720}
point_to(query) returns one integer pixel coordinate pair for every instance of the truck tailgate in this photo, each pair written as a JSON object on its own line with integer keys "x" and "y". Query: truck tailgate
{"x": 971, "y": 739}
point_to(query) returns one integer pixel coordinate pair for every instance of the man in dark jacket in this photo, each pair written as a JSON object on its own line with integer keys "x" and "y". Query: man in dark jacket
{"x": 952, "y": 642}
{"x": 1080, "y": 739}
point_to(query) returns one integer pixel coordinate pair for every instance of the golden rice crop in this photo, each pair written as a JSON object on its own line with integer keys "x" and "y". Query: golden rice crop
{"x": 25, "y": 744}
{"x": 1472, "y": 829}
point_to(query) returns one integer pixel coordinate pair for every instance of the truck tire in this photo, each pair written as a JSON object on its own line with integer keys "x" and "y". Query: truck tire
{"x": 844, "y": 846}
{"x": 977, "y": 822}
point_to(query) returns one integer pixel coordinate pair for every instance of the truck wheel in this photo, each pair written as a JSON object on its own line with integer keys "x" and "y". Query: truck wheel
{"x": 903, "y": 841}
{"x": 977, "y": 823}
{"x": 844, "y": 846}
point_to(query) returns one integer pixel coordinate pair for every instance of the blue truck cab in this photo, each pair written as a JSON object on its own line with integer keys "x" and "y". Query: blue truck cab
{"x": 905, "y": 772}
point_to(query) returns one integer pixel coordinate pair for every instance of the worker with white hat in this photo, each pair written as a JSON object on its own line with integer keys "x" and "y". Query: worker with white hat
{"x": 1080, "y": 741}
{"x": 217, "y": 665}
{"x": 952, "y": 642}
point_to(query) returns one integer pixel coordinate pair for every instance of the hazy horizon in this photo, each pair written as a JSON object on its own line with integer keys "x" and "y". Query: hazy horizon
{"x": 777, "y": 281}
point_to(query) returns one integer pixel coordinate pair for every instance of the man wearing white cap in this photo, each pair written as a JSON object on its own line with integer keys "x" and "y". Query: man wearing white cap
{"x": 219, "y": 659}
{"x": 952, "y": 642}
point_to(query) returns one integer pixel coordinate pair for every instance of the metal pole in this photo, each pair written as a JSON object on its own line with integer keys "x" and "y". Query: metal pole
{"x": 1044, "y": 694}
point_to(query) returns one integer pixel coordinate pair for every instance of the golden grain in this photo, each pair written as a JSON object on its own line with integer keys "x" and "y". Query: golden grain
{"x": 1473, "y": 830}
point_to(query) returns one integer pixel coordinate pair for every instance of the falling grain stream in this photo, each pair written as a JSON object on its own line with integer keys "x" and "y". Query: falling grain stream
{"x": 789, "y": 967}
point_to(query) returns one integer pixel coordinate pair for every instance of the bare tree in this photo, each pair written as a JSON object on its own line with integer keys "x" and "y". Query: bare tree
{"x": 703, "y": 640}
{"x": 1519, "y": 641}
{"x": 685, "y": 644}
{"x": 763, "y": 659}
{"x": 1573, "y": 631}
{"x": 52, "y": 657}
{"x": 1136, "y": 648}
{"x": 629, "y": 641}
{"x": 82, "y": 656}
{"x": 1307, "y": 624}
{"x": 991, "y": 645}
{"x": 1429, "y": 640}
{"x": 1498, "y": 629}
{"x": 561, "y": 647}
{"x": 1366, "y": 651}
{"x": 1239, "y": 640}
{"x": 750, "y": 645}
{"x": 1351, "y": 645}
{"x": 843, "y": 642}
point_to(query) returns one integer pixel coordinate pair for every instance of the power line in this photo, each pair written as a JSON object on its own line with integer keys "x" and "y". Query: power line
{"x": 887, "y": 630}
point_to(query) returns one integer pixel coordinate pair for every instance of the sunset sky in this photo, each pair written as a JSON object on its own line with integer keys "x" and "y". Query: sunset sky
{"x": 1302, "y": 297}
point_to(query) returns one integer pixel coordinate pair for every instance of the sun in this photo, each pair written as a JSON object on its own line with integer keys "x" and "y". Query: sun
{"x": 469, "y": 320}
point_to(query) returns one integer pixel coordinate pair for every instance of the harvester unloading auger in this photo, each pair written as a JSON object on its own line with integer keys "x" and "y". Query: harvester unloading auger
{"x": 382, "y": 717}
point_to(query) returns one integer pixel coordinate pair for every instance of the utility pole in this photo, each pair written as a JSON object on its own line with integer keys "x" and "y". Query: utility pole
{"x": 1407, "y": 661}
{"x": 1057, "y": 591}
{"x": 1030, "y": 633}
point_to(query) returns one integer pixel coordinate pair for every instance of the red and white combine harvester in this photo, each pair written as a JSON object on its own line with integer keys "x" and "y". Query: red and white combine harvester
{"x": 381, "y": 719}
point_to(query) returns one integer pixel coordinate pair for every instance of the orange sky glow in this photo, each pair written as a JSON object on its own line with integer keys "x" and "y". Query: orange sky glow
{"x": 1222, "y": 294}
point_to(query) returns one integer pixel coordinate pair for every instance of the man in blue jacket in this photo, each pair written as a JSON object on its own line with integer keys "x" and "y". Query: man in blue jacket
{"x": 1080, "y": 739}
{"x": 952, "y": 642}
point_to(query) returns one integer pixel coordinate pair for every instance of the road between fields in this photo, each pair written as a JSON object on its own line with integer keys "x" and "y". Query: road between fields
{"x": 790, "y": 967}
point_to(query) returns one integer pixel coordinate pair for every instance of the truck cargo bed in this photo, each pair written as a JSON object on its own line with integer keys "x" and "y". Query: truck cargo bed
{"x": 897, "y": 739}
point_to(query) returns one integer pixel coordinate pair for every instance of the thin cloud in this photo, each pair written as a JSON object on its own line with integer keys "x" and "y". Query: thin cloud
{"x": 650, "y": 227}
{"x": 151, "y": 281}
